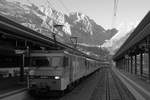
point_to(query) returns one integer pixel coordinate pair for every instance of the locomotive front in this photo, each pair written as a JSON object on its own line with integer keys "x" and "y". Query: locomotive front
{"x": 47, "y": 73}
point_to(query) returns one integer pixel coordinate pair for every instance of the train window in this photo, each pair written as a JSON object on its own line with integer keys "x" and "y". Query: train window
{"x": 39, "y": 61}
{"x": 65, "y": 61}
{"x": 56, "y": 61}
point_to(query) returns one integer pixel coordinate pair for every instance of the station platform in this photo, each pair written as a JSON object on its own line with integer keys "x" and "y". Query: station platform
{"x": 9, "y": 86}
{"x": 105, "y": 84}
{"x": 136, "y": 85}
{"x": 110, "y": 87}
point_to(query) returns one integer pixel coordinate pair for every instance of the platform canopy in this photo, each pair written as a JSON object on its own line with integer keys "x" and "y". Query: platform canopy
{"x": 139, "y": 33}
{"x": 15, "y": 30}
{"x": 11, "y": 31}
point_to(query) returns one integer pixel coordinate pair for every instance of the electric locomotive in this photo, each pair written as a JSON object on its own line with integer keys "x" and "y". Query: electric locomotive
{"x": 57, "y": 70}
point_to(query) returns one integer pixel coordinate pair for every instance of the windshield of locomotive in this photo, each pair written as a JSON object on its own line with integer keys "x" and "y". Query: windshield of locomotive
{"x": 45, "y": 61}
{"x": 40, "y": 61}
{"x": 56, "y": 62}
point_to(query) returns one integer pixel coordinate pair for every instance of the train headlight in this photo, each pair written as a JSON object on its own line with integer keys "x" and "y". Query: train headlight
{"x": 57, "y": 77}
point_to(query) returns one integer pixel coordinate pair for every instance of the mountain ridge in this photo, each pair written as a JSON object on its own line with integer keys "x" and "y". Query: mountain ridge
{"x": 42, "y": 19}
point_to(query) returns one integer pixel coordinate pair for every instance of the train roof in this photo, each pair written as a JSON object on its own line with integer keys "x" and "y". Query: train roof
{"x": 62, "y": 53}
{"x": 53, "y": 52}
{"x": 47, "y": 51}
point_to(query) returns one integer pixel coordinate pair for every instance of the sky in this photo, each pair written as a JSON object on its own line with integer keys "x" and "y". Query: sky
{"x": 129, "y": 13}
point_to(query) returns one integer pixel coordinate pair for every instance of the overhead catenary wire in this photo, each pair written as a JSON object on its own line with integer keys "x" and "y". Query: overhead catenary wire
{"x": 60, "y": 5}
{"x": 115, "y": 9}
{"x": 51, "y": 5}
{"x": 65, "y": 7}
{"x": 54, "y": 5}
{"x": 57, "y": 5}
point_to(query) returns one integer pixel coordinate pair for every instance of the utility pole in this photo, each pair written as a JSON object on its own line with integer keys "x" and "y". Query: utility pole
{"x": 74, "y": 41}
{"x": 54, "y": 33}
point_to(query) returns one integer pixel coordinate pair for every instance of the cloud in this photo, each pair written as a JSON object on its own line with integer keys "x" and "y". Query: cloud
{"x": 123, "y": 28}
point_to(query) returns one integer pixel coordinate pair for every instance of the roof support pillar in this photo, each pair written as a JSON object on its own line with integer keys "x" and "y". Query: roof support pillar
{"x": 131, "y": 64}
{"x": 135, "y": 64}
{"x": 121, "y": 63}
{"x": 149, "y": 63}
{"x": 22, "y": 67}
{"x": 124, "y": 63}
{"x": 128, "y": 65}
{"x": 119, "y": 66}
{"x": 126, "y": 69}
{"x": 141, "y": 63}
{"x": 148, "y": 43}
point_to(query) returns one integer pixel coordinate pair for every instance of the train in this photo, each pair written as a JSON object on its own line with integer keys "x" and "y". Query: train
{"x": 54, "y": 71}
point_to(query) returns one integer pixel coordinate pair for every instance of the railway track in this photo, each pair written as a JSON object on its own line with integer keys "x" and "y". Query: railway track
{"x": 98, "y": 93}
{"x": 107, "y": 86}
{"x": 111, "y": 88}
{"x": 116, "y": 90}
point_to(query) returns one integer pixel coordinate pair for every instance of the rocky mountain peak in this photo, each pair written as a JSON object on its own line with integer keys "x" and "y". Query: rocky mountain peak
{"x": 42, "y": 19}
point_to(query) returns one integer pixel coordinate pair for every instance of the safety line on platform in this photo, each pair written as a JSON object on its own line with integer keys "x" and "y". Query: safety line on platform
{"x": 136, "y": 94}
{"x": 12, "y": 93}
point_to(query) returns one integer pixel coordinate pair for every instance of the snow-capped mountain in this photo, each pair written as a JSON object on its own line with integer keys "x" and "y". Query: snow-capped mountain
{"x": 43, "y": 18}
{"x": 88, "y": 30}
{"x": 114, "y": 44}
